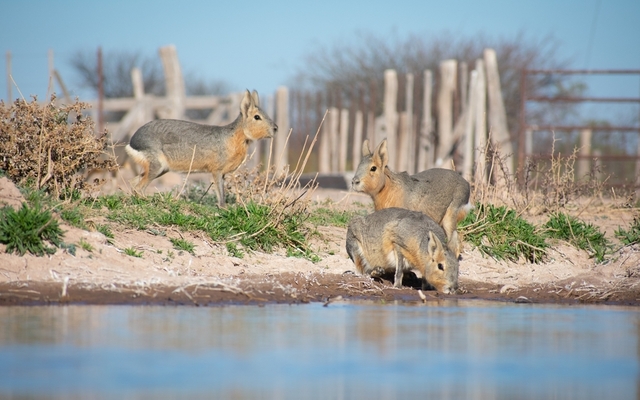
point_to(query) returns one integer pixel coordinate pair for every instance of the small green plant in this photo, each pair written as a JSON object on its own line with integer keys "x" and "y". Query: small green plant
{"x": 105, "y": 230}
{"x": 70, "y": 248}
{"x": 309, "y": 255}
{"x": 631, "y": 236}
{"x": 323, "y": 216}
{"x": 28, "y": 230}
{"x": 579, "y": 233}
{"x": 182, "y": 244}
{"x": 85, "y": 245}
{"x": 234, "y": 250}
{"x": 256, "y": 226}
{"x": 500, "y": 233}
{"x": 130, "y": 251}
{"x": 74, "y": 217}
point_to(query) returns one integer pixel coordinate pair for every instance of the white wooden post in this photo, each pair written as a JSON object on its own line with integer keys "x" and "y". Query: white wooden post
{"x": 324, "y": 152}
{"x": 390, "y": 113}
{"x": 174, "y": 84}
{"x": 406, "y": 155}
{"x": 343, "y": 140}
{"x": 497, "y": 114}
{"x": 356, "y": 154}
{"x": 584, "y": 163}
{"x": 280, "y": 144}
{"x": 470, "y": 108}
{"x": 445, "y": 105}
{"x": 426, "y": 145}
{"x": 481, "y": 124}
{"x": 333, "y": 120}
{"x": 464, "y": 85}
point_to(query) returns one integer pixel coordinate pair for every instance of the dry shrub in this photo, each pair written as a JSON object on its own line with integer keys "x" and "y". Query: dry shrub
{"x": 280, "y": 189}
{"x": 50, "y": 147}
{"x": 546, "y": 187}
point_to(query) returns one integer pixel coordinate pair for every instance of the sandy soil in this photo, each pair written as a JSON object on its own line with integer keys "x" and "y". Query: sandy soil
{"x": 163, "y": 275}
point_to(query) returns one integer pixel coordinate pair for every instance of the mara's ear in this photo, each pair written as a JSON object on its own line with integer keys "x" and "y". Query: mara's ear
{"x": 434, "y": 245}
{"x": 366, "y": 150}
{"x": 256, "y": 99}
{"x": 246, "y": 103}
{"x": 381, "y": 154}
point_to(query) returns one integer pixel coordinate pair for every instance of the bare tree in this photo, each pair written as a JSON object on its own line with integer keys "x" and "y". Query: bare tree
{"x": 117, "y": 66}
{"x": 361, "y": 62}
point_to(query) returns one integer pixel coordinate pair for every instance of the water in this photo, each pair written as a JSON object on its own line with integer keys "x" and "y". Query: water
{"x": 449, "y": 350}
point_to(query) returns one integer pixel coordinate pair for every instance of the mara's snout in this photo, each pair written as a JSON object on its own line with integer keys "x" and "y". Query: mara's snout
{"x": 273, "y": 131}
{"x": 355, "y": 184}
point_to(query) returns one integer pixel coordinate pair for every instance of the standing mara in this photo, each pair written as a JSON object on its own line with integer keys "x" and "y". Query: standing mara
{"x": 167, "y": 145}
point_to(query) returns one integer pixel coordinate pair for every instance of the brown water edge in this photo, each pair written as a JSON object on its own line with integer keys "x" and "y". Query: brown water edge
{"x": 297, "y": 288}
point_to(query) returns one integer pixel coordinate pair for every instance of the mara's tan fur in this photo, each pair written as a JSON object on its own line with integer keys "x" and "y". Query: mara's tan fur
{"x": 396, "y": 240}
{"x": 182, "y": 146}
{"x": 441, "y": 194}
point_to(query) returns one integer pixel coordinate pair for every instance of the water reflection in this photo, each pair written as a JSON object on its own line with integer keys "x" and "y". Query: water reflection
{"x": 446, "y": 350}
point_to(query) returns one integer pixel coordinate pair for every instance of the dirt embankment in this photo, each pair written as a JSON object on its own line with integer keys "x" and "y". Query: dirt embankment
{"x": 106, "y": 275}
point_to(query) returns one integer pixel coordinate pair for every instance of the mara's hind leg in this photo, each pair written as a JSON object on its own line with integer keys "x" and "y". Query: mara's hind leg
{"x": 151, "y": 169}
{"x": 450, "y": 226}
{"x": 354, "y": 250}
{"x": 218, "y": 187}
{"x": 399, "y": 260}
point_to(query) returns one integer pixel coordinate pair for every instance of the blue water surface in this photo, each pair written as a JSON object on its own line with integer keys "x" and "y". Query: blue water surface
{"x": 447, "y": 350}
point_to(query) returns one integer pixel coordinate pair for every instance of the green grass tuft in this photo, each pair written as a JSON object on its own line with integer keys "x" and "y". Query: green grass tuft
{"x": 500, "y": 233}
{"x": 579, "y": 233}
{"x": 182, "y": 244}
{"x": 85, "y": 245}
{"x": 631, "y": 236}
{"x": 234, "y": 250}
{"x": 323, "y": 216}
{"x": 130, "y": 251}
{"x": 254, "y": 226}
{"x": 29, "y": 230}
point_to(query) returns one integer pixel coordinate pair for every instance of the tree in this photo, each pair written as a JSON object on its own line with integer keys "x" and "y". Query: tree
{"x": 345, "y": 66}
{"x": 116, "y": 67}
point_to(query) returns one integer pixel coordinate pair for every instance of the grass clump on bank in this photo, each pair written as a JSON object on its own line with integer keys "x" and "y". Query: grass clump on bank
{"x": 580, "y": 234}
{"x": 29, "y": 229}
{"x": 254, "y": 226}
{"x": 500, "y": 233}
{"x": 629, "y": 236}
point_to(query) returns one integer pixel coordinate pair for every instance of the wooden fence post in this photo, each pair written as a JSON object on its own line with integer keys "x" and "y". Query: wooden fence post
{"x": 445, "y": 108}
{"x": 334, "y": 122}
{"x": 356, "y": 154}
{"x": 584, "y": 162}
{"x": 497, "y": 115}
{"x": 464, "y": 85}
{"x": 343, "y": 140}
{"x": 324, "y": 151}
{"x": 390, "y": 113}
{"x": 174, "y": 84}
{"x": 470, "y": 110}
{"x": 426, "y": 144}
{"x": 406, "y": 155}
{"x": 481, "y": 125}
{"x": 280, "y": 144}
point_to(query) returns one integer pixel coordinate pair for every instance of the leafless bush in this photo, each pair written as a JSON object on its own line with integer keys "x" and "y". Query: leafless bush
{"x": 50, "y": 147}
{"x": 546, "y": 186}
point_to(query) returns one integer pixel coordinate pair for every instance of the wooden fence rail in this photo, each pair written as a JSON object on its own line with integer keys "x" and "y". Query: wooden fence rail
{"x": 417, "y": 140}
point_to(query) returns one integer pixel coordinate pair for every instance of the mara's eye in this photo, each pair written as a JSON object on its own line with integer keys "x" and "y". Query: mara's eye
{"x": 440, "y": 266}
{"x": 257, "y": 117}
{"x": 373, "y": 169}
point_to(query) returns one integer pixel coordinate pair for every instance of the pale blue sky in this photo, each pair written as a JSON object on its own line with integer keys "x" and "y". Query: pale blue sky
{"x": 260, "y": 44}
